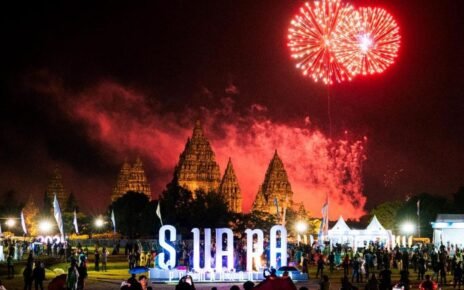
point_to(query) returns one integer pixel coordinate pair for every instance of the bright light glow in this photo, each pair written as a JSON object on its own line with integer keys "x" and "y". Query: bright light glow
{"x": 45, "y": 226}
{"x": 365, "y": 43}
{"x": 408, "y": 228}
{"x": 10, "y": 222}
{"x": 301, "y": 227}
{"x": 99, "y": 222}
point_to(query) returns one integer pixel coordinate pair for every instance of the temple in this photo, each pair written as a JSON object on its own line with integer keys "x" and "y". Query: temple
{"x": 131, "y": 178}
{"x": 55, "y": 186}
{"x": 197, "y": 167}
{"x": 230, "y": 189}
{"x": 276, "y": 191}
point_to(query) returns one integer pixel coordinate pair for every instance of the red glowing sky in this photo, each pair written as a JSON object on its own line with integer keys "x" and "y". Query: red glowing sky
{"x": 86, "y": 87}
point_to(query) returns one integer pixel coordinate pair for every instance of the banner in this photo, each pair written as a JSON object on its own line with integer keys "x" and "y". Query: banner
{"x": 75, "y": 223}
{"x": 57, "y": 214}
{"x": 23, "y": 223}
{"x": 113, "y": 220}
{"x": 158, "y": 212}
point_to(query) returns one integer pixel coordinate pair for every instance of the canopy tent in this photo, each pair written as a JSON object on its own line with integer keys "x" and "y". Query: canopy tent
{"x": 342, "y": 234}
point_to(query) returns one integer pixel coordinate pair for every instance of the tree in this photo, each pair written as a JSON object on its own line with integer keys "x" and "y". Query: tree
{"x": 386, "y": 213}
{"x": 31, "y": 212}
{"x": 430, "y": 206}
{"x": 134, "y": 214}
{"x": 71, "y": 203}
{"x": 47, "y": 203}
{"x": 185, "y": 210}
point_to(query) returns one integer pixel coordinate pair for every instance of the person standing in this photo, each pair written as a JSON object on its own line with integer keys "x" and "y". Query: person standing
{"x": 38, "y": 274}
{"x": 97, "y": 260}
{"x": 104, "y": 258}
{"x": 73, "y": 276}
{"x": 27, "y": 275}
{"x": 10, "y": 266}
{"x": 82, "y": 270}
{"x": 320, "y": 265}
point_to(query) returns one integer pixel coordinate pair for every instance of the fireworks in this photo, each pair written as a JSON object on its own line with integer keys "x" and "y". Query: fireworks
{"x": 368, "y": 42}
{"x": 332, "y": 41}
{"x": 312, "y": 38}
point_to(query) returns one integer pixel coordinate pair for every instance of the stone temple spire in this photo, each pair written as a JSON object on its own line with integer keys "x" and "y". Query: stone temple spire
{"x": 197, "y": 167}
{"x": 131, "y": 178}
{"x": 55, "y": 186}
{"x": 230, "y": 189}
{"x": 138, "y": 180}
{"x": 275, "y": 187}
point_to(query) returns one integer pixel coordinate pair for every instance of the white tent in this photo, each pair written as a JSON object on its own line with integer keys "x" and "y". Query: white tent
{"x": 374, "y": 232}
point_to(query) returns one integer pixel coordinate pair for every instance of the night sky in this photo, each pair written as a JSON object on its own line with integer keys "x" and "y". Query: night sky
{"x": 86, "y": 85}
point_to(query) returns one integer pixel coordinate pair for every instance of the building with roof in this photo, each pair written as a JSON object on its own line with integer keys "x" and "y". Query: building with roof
{"x": 448, "y": 229}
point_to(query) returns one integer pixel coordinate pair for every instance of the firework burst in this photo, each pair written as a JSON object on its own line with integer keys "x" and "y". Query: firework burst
{"x": 367, "y": 41}
{"x": 312, "y": 38}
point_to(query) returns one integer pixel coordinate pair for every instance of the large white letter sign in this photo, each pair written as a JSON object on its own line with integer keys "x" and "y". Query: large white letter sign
{"x": 282, "y": 249}
{"x": 254, "y": 251}
{"x": 196, "y": 249}
{"x": 171, "y": 263}
{"x": 220, "y": 252}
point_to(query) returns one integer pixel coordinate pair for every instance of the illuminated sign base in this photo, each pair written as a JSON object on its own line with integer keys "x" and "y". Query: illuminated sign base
{"x": 161, "y": 275}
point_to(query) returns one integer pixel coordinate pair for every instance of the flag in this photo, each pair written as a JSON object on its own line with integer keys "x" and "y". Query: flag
{"x": 324, "y": 229}
{"x": 158, "y": 212}
{"x": 23, "y": 223}
{"x": 285, "y": 211}
{"x": 276, "y": 202}
{"x": 75, "y": 222}
{"x": 113, "y": 220}
{"x": 418, "y": 207}
{"x": 57, "y": 214}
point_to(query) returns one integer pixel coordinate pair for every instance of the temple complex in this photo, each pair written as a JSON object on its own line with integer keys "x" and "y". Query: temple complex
{"x": 131, "y": 178}
{"x": 197, "y": 167}
{"x": 230, "y": 189}
{"x": 55, "y": 186}
{"x": 275, "y": 187}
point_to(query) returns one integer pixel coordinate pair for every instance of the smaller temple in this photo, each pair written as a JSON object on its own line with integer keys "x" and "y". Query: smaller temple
{"x": 230, "y": 189}
{"x": 55, "y": 186}
{"x": 131, "y": 178}
{"x": 276, "y": 191}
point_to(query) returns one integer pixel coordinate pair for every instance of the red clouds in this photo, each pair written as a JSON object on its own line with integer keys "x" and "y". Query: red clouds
{"x": 124, "y": 122}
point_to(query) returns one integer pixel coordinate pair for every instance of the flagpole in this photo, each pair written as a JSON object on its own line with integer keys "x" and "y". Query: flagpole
{"x": 418, "y": 218}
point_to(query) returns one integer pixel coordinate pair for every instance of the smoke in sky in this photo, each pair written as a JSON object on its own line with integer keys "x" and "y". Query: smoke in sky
{"x": 123, "y": 122}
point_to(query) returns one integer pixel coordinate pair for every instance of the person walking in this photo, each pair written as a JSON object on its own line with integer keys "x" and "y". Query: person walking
{"x": 38, "y": 274}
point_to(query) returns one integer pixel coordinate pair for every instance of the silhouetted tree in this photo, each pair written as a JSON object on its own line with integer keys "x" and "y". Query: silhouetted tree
{"x": 134, "y": 214}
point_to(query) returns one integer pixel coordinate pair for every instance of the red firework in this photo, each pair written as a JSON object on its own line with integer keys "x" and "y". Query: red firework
{"x": 312, "y": 39}
{"x": 368, "y": 41}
